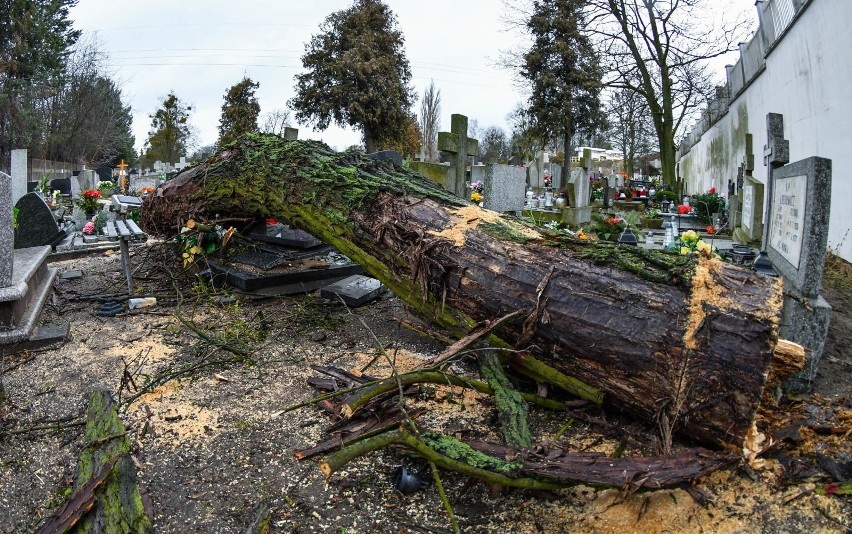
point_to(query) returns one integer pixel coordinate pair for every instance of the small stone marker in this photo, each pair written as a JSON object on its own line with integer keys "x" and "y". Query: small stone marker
{"x": 460, "y": 147}
{"x": 291, "y": 134}
{"x": 354, "y": 290}
{"x": 751, "y": 213}
{"x": 71, "y": 275}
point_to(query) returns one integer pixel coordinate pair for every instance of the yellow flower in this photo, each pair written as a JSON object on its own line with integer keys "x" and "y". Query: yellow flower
{"x": 196, "y": 250}
{"x": 475, "y": 197}
{"x": 684, "y": 251}
{"x": 703, "y": 247}
{"x": 581, "y": 235}
{"x": 689, "y": 237}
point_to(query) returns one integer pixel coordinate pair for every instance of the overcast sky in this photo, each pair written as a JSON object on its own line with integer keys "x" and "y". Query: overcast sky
{"x": 198, "y": 49}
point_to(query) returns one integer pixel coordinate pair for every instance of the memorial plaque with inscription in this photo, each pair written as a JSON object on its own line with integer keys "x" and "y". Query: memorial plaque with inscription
{"x": 748, "y": 205}
{"x": 790, "y": 197}
{"x": 798, "y": 223}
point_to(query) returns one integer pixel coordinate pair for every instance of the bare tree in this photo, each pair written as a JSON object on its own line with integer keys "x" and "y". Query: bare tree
{"x": 659, "y": 50}
{"x": 430, "y": 120}
{"x": 275, "y": 121}
{"x": 632, "y": 131}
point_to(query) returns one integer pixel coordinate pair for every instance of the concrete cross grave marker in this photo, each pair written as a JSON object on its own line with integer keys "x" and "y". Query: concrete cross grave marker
{"x": 776, "y": 153}
{"x": 460, "y": 147}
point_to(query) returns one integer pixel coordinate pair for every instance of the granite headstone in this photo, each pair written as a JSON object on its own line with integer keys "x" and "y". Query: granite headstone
{"x": 20, "y": 173}
{"x": 504, "y": 187}
{"x": 36, "y": 223}
{"x": 6, "y": 230}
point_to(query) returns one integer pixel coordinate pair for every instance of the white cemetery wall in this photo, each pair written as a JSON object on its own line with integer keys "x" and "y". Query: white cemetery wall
{"x": 806, "y": 79}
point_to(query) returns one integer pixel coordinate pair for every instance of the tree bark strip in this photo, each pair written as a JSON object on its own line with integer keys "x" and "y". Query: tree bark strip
{"x": 659, "y": 334}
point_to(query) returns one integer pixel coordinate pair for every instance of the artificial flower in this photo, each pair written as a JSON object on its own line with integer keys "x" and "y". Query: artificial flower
{"x": 683, "y": 209}
{"x": 475, "y": 197}
{"x": 685, "y": 250}
{"x": 89, "y": 228}
{"x": 709, "y": 229}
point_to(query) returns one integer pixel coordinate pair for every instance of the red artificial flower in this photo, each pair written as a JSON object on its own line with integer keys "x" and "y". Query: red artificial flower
{"x": 271, "y": 222}
{"x": 91, "y": 193}
{"x": 709, "y": 229}
{"x": 683, "y": 209}
{"x": 712, "y": 191}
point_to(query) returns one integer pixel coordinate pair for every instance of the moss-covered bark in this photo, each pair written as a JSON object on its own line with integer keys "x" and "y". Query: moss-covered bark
{"x": 118, "y": 504}
{"x": 614, "y": 317}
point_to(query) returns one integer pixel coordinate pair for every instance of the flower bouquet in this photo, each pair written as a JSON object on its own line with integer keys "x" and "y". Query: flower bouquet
{"x": 89, "y": 200}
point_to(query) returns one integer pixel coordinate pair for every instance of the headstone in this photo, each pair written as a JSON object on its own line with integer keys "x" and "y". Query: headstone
{"x": 387, "y": 155}
{"x": 795, "y": 240}
{"x": 460, "y": 147}
{"x": 75, "y": 187}
{"x": 437, "y": 172}
{"x": 504, "y": 187}
{"x": 36, "y": 224}
{"x": 281, "y": 234}
{"x": 88, "y": 180}
{"x": 579, "y": 211}
{"x": 25, "y": 277}
{"x": 20, "y": 173}
{"x": 63, "y": 185}
{"x": 126, "y": 203}
{"x": 751, "y": 212}
{"x": 354, "y": 290}
{"x": 6, "y": 230}
{"x": 291, "y": 134}
{"x": 798, "y": 233}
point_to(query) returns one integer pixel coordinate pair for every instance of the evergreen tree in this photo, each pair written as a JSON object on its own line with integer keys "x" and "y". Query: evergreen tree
{"x": 239, "y": 112}
{"x": 357, "y": 75}
{"x": 494, "y": 145}
{"x": 36, "y": 37}
{"x": 564, "y": 74}
{"x": 170, "y": 131}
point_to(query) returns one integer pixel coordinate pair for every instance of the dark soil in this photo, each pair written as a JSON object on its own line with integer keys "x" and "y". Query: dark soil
{"x": 216, "y": 443}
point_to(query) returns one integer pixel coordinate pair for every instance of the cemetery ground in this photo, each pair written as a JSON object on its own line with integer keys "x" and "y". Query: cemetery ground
{"x": 213, "y": 444}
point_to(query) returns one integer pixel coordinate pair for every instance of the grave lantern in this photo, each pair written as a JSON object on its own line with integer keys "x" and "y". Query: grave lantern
{"x": 628, "y": 238}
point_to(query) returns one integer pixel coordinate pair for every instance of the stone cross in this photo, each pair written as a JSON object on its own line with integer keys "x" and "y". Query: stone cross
{"x": 460, "y": 146}
{"x": 776, "y": 153}
{"x": 6, "y": 230}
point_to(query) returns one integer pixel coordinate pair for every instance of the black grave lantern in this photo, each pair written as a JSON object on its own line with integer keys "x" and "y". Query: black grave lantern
{"x": 665, "y": 204}
{"x": 628, "y": 238}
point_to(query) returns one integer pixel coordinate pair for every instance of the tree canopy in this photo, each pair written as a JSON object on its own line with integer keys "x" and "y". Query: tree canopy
{"x": 170, "y": 131}
{"x": 659, "y": 50}
{"x": 35, "y": 41}
{"x": 356, "y": 74}
{"x": 564, "y": 73}
{"x": 239, "y": 112}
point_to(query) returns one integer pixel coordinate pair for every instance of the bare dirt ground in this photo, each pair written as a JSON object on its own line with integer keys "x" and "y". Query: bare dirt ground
{"x": 214, "y": 443}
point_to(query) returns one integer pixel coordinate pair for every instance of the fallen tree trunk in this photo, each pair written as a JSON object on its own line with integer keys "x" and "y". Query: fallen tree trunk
{"x": 671, "y": 339}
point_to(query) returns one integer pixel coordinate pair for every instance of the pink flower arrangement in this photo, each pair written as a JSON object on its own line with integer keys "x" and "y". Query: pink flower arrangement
{"x": 89, "y": 228}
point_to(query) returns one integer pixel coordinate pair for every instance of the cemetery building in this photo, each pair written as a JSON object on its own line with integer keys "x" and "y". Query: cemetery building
{"x": 796, "y": 65}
